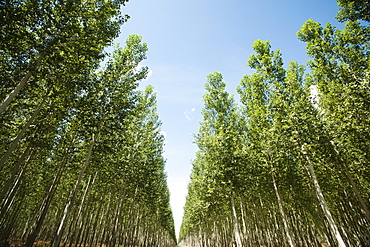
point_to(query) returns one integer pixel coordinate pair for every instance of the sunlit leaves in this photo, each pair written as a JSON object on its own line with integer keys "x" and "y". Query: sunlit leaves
{"x": 296, "y": 148}
{"x": 91, "y": 160}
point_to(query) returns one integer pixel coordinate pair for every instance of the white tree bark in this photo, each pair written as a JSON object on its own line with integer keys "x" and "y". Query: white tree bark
{"x": 283, "y": 213}
{"x": 324, "y": 206}
{"x": 236, "y": 225}
{"x": 72, "y": 197}
{"x": 23, "y": 131}
{"x": 19, "y": 87}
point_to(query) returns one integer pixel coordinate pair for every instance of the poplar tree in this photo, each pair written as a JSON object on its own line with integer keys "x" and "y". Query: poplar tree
{"x": 90, "y": 171}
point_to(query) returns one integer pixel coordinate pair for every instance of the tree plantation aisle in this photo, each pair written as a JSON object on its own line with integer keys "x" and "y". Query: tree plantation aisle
{"x": 289, "y": 166}
{"x": 82, "y": 160}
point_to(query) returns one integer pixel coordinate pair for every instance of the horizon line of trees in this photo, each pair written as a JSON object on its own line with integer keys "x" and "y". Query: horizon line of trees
{"x": 81, "y": 160}
{"x": 289, "y": 166}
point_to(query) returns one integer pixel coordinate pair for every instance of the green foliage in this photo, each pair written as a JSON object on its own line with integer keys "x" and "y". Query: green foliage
{"x": 294, "y": 136}
{"x": 353, "y": 10}
{"x": 82, "y": 146}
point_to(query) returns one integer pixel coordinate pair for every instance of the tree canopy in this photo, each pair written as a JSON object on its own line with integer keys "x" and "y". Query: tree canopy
{"x": 287, "y": 166}
{"x": 82, "y": 150}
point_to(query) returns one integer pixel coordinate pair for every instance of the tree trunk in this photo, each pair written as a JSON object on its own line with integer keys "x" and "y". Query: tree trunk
{"x": 102, "y": 224}
{"x": 20, "y": 86}
{"x": 81, "y": 225}
{"x": 95, "y": 224}
{"x": 282, "y": 211}
{"x": 15, "y": 171}
{"x": 10, "y": 197}
{"x": 324, "y": 206}
{"x": 79, "y": 219}
{"x": 72, "y": 197}
{"x": 235, "y": 218}
{"x": 242, "y": 209}
{"x": 45, "y": 206}
{"x": 353, "y": 184}
{"x": 23, "y": 131}
{"x": 11, "y": 219}
{"x": 113, "y": 239}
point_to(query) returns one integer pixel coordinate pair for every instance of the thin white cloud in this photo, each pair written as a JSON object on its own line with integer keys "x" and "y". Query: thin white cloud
{"x": 189, "y": 114}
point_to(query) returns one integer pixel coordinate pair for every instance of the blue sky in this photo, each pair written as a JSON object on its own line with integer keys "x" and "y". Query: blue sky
{"x": 187, "y": 40}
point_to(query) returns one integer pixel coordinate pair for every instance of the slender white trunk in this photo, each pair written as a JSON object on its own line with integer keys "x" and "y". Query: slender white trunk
{"x": 79, "y": 219}
{"x": 22, "y": 132}
{"x": 19, "y": 87}
{"x": 282, "y": 211}
{"x": 44, "y": 208}
{"x": 236, "y": 225}
{"x": 324, "y": 206}
{"x": 14, "y": 174}
{"x": 113, "y": 237}
{"x": 353, "y": 184}
{"x": 103, "y": 224}
{"x": 242, "y": 209}
{"x": 9, "y": 196}
{"x": 72, "y": 197}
